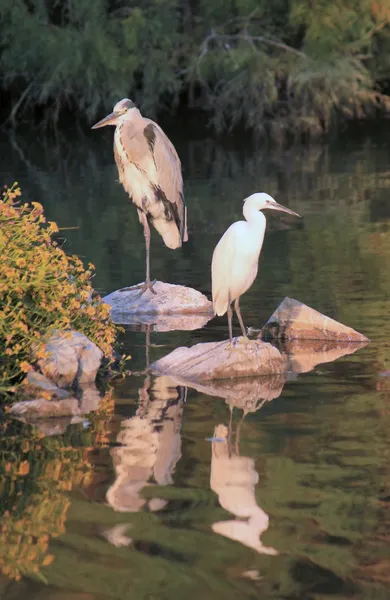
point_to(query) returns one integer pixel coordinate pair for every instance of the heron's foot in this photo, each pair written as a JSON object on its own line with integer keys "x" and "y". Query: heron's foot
{"x": 148, "y": 285}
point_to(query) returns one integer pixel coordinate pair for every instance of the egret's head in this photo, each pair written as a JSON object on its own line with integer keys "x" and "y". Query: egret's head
{"x": 261, "y": 201}
{"x": 121, "y": 110}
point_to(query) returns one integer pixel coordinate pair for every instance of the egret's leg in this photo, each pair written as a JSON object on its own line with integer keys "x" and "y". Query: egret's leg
{"x": 148, "y": 285}
{"x": 230, "y": 316}
{"x": 237, "y": 309}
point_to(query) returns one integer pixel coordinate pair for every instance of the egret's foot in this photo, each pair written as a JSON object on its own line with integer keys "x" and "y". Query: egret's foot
{"x": 232, "y": 345}
{"x": 148, "y": 285}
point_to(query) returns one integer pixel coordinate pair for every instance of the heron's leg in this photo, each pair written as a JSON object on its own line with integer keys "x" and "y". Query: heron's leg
{"x": 237, "y": 309}
{"x": 147, "y": 245}
{"x": 148, "y": 285}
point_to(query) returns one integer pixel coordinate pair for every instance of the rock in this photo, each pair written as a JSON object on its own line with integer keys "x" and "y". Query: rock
{"x": 218, "y": 360}
{"x": 294, "y": 320}
{"x": 43, "y": 409}
{"x": 163, "y": 322}
{"x": 70, "y": 355}
{"x": 35, "y": 383}
{"x": 169, "y": 299}
{"x": 305, "y": 355}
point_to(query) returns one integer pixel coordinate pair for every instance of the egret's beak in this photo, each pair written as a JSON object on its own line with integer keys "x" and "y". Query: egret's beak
{"x": 276, "y": 206}
{"x": 108, "y": 120}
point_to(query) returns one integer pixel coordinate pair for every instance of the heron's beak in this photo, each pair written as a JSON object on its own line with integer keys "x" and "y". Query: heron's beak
{"x": 108, "y": 120}
{"x": 282, "y": 208}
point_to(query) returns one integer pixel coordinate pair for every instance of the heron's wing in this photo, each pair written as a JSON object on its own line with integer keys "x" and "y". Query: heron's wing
{"x": 168, "y": 173}
{"x": 222, "y": 269}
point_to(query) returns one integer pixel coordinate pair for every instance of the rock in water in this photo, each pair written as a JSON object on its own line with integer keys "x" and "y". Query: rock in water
{"x": 70, "y": 355}
{"x": 35, "y": 383}
{"x": 218, "y": 360}
{"x": 294, "y": 320}
{"x": 43, "y": 409}
{"x": 169, "y": 299}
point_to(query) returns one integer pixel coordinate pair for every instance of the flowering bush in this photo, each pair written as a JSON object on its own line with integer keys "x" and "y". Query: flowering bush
{"x": 41, "y": 289}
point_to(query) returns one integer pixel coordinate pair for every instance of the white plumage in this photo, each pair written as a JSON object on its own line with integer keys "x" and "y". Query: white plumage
{"x": 236, "y": 257}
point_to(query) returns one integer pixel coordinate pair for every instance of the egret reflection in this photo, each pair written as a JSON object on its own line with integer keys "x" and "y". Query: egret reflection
{"x": 233, "y": 478}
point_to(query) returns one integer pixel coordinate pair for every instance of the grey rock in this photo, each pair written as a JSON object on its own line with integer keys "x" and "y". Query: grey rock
{"x": 35, "y": 383}
{"x": 218, "y": 360}
{"x": 70, "y": 355}
{"x": 169, "y": 299}
{"x": 294, "y": 320}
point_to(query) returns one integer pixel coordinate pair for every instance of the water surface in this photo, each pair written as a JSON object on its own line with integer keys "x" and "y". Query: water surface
{"x": 146, "y": 498}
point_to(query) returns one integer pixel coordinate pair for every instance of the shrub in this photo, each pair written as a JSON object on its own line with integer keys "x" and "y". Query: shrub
{"x": 41, "y": 289}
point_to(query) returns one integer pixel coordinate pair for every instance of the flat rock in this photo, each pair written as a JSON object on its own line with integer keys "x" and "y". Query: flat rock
{"x": 294, "y": 320}
{"x": 169, "y": 299}
{"x": 218, "y": 360}
{"x": 70, "y": 355}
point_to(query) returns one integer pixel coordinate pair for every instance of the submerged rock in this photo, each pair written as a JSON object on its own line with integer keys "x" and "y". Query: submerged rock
{"x": 70, "y": 355}
{"x": 219, "y": 360}
{"x": 294, "y": 320}
{"x": 169, "y": 299}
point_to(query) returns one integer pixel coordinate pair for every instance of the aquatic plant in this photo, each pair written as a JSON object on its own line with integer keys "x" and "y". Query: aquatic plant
{"x": 41, "y": 289}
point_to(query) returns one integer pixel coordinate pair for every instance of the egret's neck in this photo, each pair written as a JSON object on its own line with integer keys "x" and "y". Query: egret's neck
{"x": 254, "y": 216}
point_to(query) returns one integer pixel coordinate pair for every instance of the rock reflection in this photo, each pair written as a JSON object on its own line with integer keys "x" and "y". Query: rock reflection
{"x": 164, "y": 322}
{"x": 150, "y": 446}
{"x": 233, "y": 478}
{"x": 305, "y": 355}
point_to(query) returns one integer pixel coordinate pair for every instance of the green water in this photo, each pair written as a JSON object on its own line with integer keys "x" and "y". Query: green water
{"x": 144, "y": 499}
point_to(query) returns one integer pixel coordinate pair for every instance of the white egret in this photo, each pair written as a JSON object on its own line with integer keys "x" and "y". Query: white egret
{"x": 236, "y": 256}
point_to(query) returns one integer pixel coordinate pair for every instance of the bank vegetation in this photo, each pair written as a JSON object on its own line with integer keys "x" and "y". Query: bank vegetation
{"x": 295, "y": 67}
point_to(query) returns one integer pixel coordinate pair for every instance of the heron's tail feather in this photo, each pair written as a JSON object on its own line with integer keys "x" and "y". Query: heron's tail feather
{"x": 169, "y": 232}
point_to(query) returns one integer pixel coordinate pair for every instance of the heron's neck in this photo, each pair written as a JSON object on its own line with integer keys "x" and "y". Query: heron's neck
{"x": 133, "y": 120}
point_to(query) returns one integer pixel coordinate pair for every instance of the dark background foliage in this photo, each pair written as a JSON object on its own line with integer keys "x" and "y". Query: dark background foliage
{"x": 296, "y": 67}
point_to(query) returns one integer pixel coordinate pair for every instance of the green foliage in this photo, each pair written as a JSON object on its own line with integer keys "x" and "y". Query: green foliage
{"x": 41, "y": 290}
{"x": 298, "y": 64}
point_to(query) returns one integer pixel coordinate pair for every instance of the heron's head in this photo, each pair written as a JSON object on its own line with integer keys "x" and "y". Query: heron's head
{"x": 121, "y": 110}
{"x": 262, "y": 201}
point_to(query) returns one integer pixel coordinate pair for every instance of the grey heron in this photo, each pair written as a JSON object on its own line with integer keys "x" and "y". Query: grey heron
{"x": 150, "y": 172}
{"x": 236, "y": 257}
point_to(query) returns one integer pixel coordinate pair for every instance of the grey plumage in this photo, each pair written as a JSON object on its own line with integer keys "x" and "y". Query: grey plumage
{"x": 150, "y": 172}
